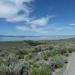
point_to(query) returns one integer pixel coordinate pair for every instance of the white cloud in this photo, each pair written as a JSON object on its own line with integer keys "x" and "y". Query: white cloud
{"x": 36, "y": 25}
{"x": 33, "y": 29}
{"x": 9, "y": 9}
{"x": 36, "y": 29}
{"x": 73, "y": 24}
{"x": 18, "y": 19}
{"x": 23, "y": 28}
{"x": 40, "y": 22}
{"x": 63, "y": 28}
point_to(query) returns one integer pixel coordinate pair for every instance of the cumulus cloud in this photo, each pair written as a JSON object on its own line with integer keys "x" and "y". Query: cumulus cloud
{"x": 41, "y": 21}
{"x": 9, "y": 9}
{"x": 36, "y": 25}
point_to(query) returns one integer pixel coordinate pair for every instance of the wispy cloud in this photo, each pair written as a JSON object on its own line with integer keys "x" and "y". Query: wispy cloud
{"x": 73, "y": 24}
{"x": 36, "y": 25}
{"x": 32, "y": 28}
{"x": 23, "y": 28}
{"x": 63, "y": 28}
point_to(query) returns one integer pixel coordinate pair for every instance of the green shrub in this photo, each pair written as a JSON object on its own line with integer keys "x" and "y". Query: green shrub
{"x": 46, "y": 55}
{"x": 54, "y": 52}
{"x": 21, "y": 53}
{"x": 37, "y": 49}
{"x": 33, "y": 43}
{"x": 20, "y": 68}
{"x": 70, "y": 50}
{"x": 43, "y": 70}
{"x": 57, "y": 62}
{"x": 63, "y": 50}
{"x": 51, "y": 47}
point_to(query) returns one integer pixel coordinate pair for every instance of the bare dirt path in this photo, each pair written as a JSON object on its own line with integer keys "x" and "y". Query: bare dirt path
{"x": 70, "y": 69}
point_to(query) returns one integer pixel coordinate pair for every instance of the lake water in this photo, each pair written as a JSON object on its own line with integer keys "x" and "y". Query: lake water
{"x": 34, "y": 38}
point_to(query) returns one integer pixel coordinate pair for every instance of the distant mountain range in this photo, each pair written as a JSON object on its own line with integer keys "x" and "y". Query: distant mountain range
{"x": 52, "y": 37}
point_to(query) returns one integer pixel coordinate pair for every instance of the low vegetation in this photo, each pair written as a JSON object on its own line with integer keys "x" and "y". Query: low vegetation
{"x": 34, "y": 57}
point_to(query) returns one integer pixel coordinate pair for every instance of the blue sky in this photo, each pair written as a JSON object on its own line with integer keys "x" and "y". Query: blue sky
{"x": 37, "y": 17}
